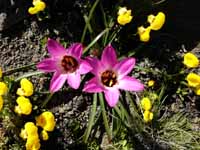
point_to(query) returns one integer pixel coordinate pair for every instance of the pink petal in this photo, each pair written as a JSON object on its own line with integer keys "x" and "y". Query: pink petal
{"x": 57, "y": 81}
{"x": 109, "y": 57}
{"x": 93, "y": 86}
{"x": 74, "y": 80}
{"x": 47, "y": 65}
{"x": 130, "y": 84}
{"x": 55, "y": 49}
{"x": 97, "y": 66}
{"x": 76, "y": 50}
{"x": 112, "y": 96}
{"x": 124, "y": 66}
{"x": 84, "y": 67}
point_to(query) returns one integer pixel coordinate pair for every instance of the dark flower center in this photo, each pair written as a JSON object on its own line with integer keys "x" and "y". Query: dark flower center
{"x": 69, "y": 63}
{"x": 109, "y": 78}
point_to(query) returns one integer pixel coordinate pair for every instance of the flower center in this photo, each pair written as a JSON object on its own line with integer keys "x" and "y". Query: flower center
{"x": 109, "y": 78}
{"x": 69, "y": 63}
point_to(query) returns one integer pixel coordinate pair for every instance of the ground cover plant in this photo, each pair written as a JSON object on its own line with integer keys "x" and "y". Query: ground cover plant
{"x": 96, "y": 74}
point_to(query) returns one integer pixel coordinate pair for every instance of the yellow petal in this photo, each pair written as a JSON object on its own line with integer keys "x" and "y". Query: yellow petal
{"x": 156, "y": 22}
{"x": 40, "y": 6}
{"x": 193, "y": 79}
{"x": 24, "y": 106}
{"x": 30, "y": 130}
{"x": 146, "y": 103}
{"x": 144, "y": 33}
{"x": 147, "y": 116}
{"x": 197, "y": 91}
{"x": 44, "y": 135}
{"x": 23, "y": 134}
{"x": 3, "y": 88}
{"x": 1, "y": 102}
{"x": 33, "y": 143}
{"x": 124, "y": 16}
{"x": 46, "y": 120}
{"x": 26, "y": 88}
{"x": 33, "y": 10}
{"x": 190, "y": 60}
{"x": 122, "y": 10}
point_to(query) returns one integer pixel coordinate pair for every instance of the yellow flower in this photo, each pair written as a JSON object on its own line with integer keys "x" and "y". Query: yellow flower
{"x": 1, "y": 102}
{"x": 1, "y": 73}
{"x": 156, "y": 22}
{"x": 44, "y": 135}
{"x": 24, "y": 106}
{"x": 3, "y": 88}
{"x": 144, "y": 33}
{"x": 190, "y": 60}
{"x": 33, "y": 143}
{"x": 46, "y": 120}
{"x": 30, "y": 129}
{"x": 151, "y": 83}
{"x": 26, "y": 88}
{"x": 124, "y": 16}
{"x": 39, "y": 5}
{"x": 197, "y": 90}
{"x": 147, "y": 116}
{"x": 146, "y": 103}
{"x": 193, "y": 79}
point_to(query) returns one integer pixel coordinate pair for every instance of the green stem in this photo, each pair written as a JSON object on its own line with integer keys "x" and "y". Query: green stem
{"x": 147, "y": 70}
{"x": 10, "y": 71}
{"x": 105, "y": 24}
{"x": 124, "y": 110}
{"x": 47, "y": 100}
{"x": 88, "y": 20}
{"x": 114, "y": 34}
{"x": 88, "y": 24}
{"x": 28, "y": 75}
{"x": 91, "y": 119}
{"x": 95, "y": 40}
{"x": 133, "y": 106}
{"x": 105, "y": 119}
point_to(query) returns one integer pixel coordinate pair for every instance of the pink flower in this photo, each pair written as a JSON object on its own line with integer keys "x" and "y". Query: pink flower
{"x": 66, "y": 65}
{"x": 111, "y": 75}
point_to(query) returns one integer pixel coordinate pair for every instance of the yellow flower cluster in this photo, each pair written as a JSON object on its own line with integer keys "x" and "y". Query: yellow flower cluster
{"x": 30, "y": 133}
{"x": 124, "y": 16}
{"x": 193, "y": 79}
{"x": 3, "y": 91}
{"x": 24, "y": 105}
{"x": 156, "y": 23}
{"x": 146, "y": 106}
{"x": 39, "y": 5}
{"x": 46, "y": 120}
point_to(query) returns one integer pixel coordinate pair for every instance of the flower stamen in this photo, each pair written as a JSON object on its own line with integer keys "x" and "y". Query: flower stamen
{"x": 70, "y": 64}
{"x": 109, "y": 78}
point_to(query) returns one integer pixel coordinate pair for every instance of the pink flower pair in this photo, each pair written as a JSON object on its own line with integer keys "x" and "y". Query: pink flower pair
{"x": 110, "y": 75}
